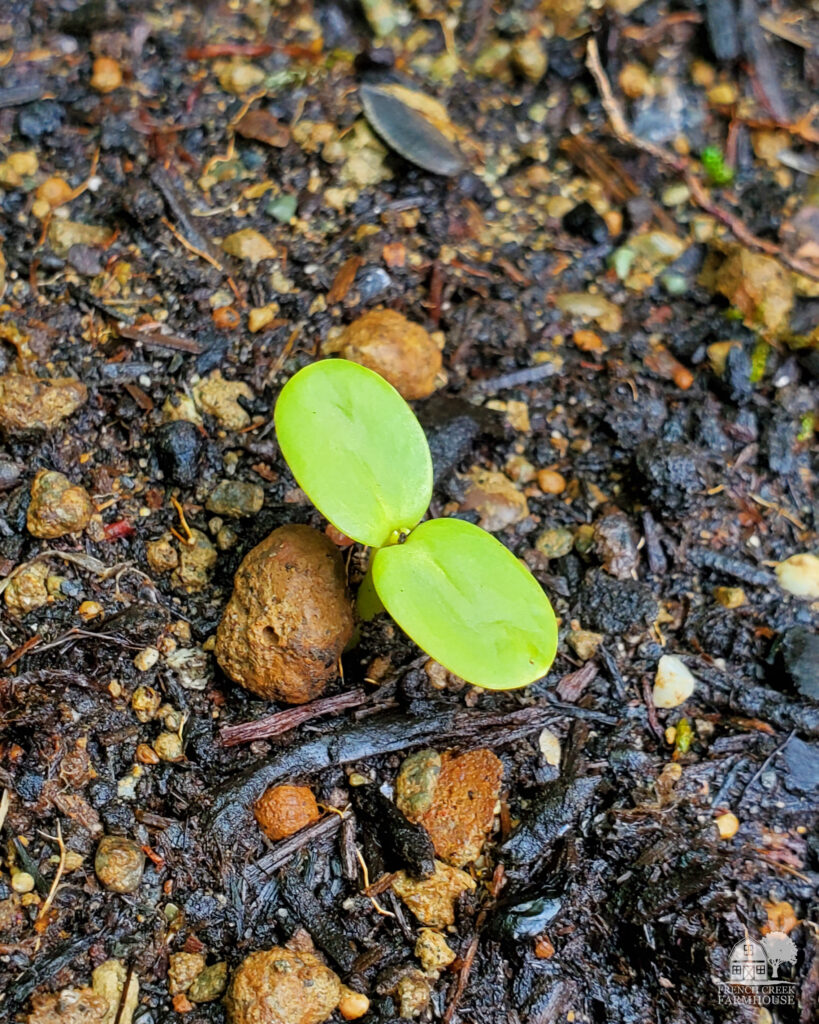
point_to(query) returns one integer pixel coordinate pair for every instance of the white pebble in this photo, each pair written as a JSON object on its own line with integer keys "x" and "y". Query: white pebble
{"x": 673, "y": 684}
{"x": 550, "y": 747}
{"x": 799, "y": 575}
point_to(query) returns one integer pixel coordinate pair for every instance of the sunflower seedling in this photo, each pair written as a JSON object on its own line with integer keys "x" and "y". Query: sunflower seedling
{"x": 358, "y": 452}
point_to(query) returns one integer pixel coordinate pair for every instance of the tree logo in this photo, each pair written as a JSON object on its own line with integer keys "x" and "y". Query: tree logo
{"x": 761, "y": 973}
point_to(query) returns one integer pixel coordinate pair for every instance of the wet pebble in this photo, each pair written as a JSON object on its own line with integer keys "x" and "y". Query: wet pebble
{"x": 799, "y": 575}
{"x": 178, "y": 447}
{"x": 372, "y": 283}
{"x": 57, "y": 506}
{"x": 86, "y": 260}
{"x": 196, "y": 562}
{"x": 283, "y": 810}
{"x": 119, "y": 864}
{"x": 235, "y": 498}
{"x": 673, "y": 683}
{"x": 281, "y": 986}
{"x": 432, "y": 950}
{"x": 27, "y": 590}
{"x": 432, "y": 900}
{"x": 183, "y": 970}
{"x": 615, "y": 540}
{"x": 289, "y": 617}
{"x": 495, "y": 498}
{"x": 209, "y": 984}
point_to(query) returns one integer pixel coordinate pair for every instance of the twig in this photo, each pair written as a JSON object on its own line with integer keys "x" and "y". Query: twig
{"x": 52, "y": 892}
{"x": 153, "y": 339}
{"x": 4, "y": 808}
{"x": 365, "y": 872}
{"x": 283, "y": 721}
{"x": 682, "y": 166}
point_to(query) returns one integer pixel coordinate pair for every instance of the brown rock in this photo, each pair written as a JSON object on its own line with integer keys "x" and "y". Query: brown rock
{"x": 462, "y": 811}
{"x": 289, "y": 617}
{"x": 184, "y": 969}
{"x": 57, "y": 506}
{"x": 615, "y": 541}
{"x": 27, "y": 590}
{"x": 28, "y": 404}
{"x": 400, "y": 350}
{"x": 161, "y": 554}
{"x": 283, "y": 810}
{"x": 119, "y": 864}
{"x": 759, "y": 286}
{"x": 495, "y": 498}
{"x": 281, "y": 986}
{"x": 71, "y": 1006}
{"x": 432, "y": 900}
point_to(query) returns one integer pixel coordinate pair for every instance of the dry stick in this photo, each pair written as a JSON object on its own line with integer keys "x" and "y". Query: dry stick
{"x": 52, "y": 892}
{"x": 284, "y": 721}
{"x": 683, "y": 166}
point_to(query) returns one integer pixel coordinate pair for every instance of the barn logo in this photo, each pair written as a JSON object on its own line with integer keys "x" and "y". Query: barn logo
{"x": 761, "y": 973}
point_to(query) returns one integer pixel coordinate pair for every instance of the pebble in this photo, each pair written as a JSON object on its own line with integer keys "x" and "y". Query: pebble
{"x": 183, "y": 969}
{"x": 372, "y": 283}
{"x": 146, "y": 659}
{"x": 289, "y": 617}
{"x": 251, "y": 245}
{"x": 162, "y": 554}
{"x": 550, "y": 747}
{"x": 239, "y": 76}
{"x": 555, "y": 542}
{"x": 86, "y": 260}
{"x": 759, "y": 286}
{"x": 495, "y": 498}
{"x": 799, "y": 575}
{"x": 462, "y": 807}
{"x": 584, "y": 643}
{"x": 54, "y": 192}
{"x": 219, "y": 398}
{"x": 68, "y": 1006}
{"x": 282, "y": 986}
{"x": 22, "y": 881}
{"x": 283, "y": 810}
{"x": 587, "y": 306}
{"x": 416, "y": 782}
{"x": 551, "y": 482}
{"x": 673, "y": 683}
{"x": 401, "y": 351}
{"x": 27, "y": 591}
{"x": 106, "y": 75}
{"x": 730, "y": 597}
{"x": 108, "y": 981}
{"x": 352, "y": 1004}
{"x": 191, "y": 666}
{"x": 29, "y": 404}
{"x": 432, "y": 900}
{"x": 235, "y": 498}
{"x": 529, "y": 57}
{"x": 798, "y": 653}
{"x": 583, "y": 221}
{"x": 432, "y": 950}
{"x": 615, "y": 541}
{"x": 178, "y": 448}
{"x": 261, "y": 316}
{"x": 196, "y": 562}
{"x": 413, "y": 993}
{"x": 727, "y": 825}
{"x": 209, "y": 984}
{"x": 57, "y": 506}
{"x": 168, "y": 747}
{"x": 119, "y": 864}
{"x": 62, "y": 234}
{"x": 635, "y": 81}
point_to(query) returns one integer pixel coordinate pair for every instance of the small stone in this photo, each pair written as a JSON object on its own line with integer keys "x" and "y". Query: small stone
{"x": 251, "y": 245}
{"x": 584, "y": 643}
{"x": 191, "y": 666}
{"x": 146, "y": 659}
{"x": 183, "y": 969}
{"x": 235, "y": 498}
{"x": 589, "y": 341}
{"x": 54, "y": 192}
{"x": 62, "y": 234}
{"x": 495, "y": 498}
{"x": 261, "y": 316}
{"x": 162, "y": 554}
{"x": 168, "y": 747}
{"x": 219, "y": 398}
{"x": 529, "y": 57}
{"x": 119, "y": 864}
{"x": 209, "y": 984}
{"x": 727, "y": 825}
{"x": 352, "y": 1004}
{"x": 282, "y": 986}
{"x": 106, "y": 75}
{"x": 520, "y": 470}
{"x": 588, "y": 306}
{"x": 196, "y": 562}
{"x": 146, "y": 755}
{"x": 730, "y": 597}
{"x": 550, "y": 747}
{"x": 22, "y": 881}
{"x": 416, "y": 782}
{"x": 401, "y": 351}
{"x": 758, "y": 285}
{"x": 432, "y": 950}
{"x": 27, "y": 591}
{"x": 799, "y": 575}
{"x": 289, "y": 617}
{"x": 673, "y": 683}
{"x": 68, "y": 1006}
{"x": 798, "y": 653}
{"x": 635, "y": 81}
{"x": 544, "y": 950}
{"x": 413, "y": 993}
{"x": 555, "y": 542}
{"x": 551, "y": 482}
{"x": 432, "y": 900}
{"x": 178, "y": 447}
{"x": 615, "y": 541}
{"x": 181, "y": 1003}
{"x": 283, "y": 810}
{"x": 108, "y": 981}
{"x": 57, "y": 506}
{"x": 239, "y": 77}
{"x": 29, "y": 404}
{"x": 146, "y": 702}
{"x": 90, "y": 610}
{"x": 725, "y": 94}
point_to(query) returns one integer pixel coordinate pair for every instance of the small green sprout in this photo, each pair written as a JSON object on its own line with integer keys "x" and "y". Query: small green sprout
{"x": 358, "y": 452}
{"x": 719, "y": 173}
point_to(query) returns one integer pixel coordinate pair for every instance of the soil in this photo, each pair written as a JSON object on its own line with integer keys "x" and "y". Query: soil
{"x": 606, "y": 892}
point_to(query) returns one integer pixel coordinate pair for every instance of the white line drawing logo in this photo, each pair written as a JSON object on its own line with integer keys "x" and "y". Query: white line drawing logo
{"x": 754, "y": 972}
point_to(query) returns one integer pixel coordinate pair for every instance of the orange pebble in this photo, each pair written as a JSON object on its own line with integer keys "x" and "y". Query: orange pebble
{"x": 551, "y": 482}
{"x": 544, "y": 950}
{"x": 283, "y": 810}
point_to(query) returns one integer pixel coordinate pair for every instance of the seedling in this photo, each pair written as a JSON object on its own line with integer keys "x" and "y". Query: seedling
{"x": 358, "y": 452}
{"x": 715, "y": 166}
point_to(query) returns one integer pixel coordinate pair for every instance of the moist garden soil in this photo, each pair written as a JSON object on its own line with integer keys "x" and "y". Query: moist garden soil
{"x": 687, "y": 468}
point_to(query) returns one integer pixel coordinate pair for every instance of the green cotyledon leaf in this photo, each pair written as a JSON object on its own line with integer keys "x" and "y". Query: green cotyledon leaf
{"x": 356, "y": 449}
{"x": 469, "y": 603}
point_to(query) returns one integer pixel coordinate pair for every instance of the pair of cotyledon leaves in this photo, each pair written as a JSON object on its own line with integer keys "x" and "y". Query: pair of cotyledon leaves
{"x": 358, "y": 452}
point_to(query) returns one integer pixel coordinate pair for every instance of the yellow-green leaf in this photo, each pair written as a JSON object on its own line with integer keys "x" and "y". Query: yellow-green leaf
{"x": 469, "y": 603}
